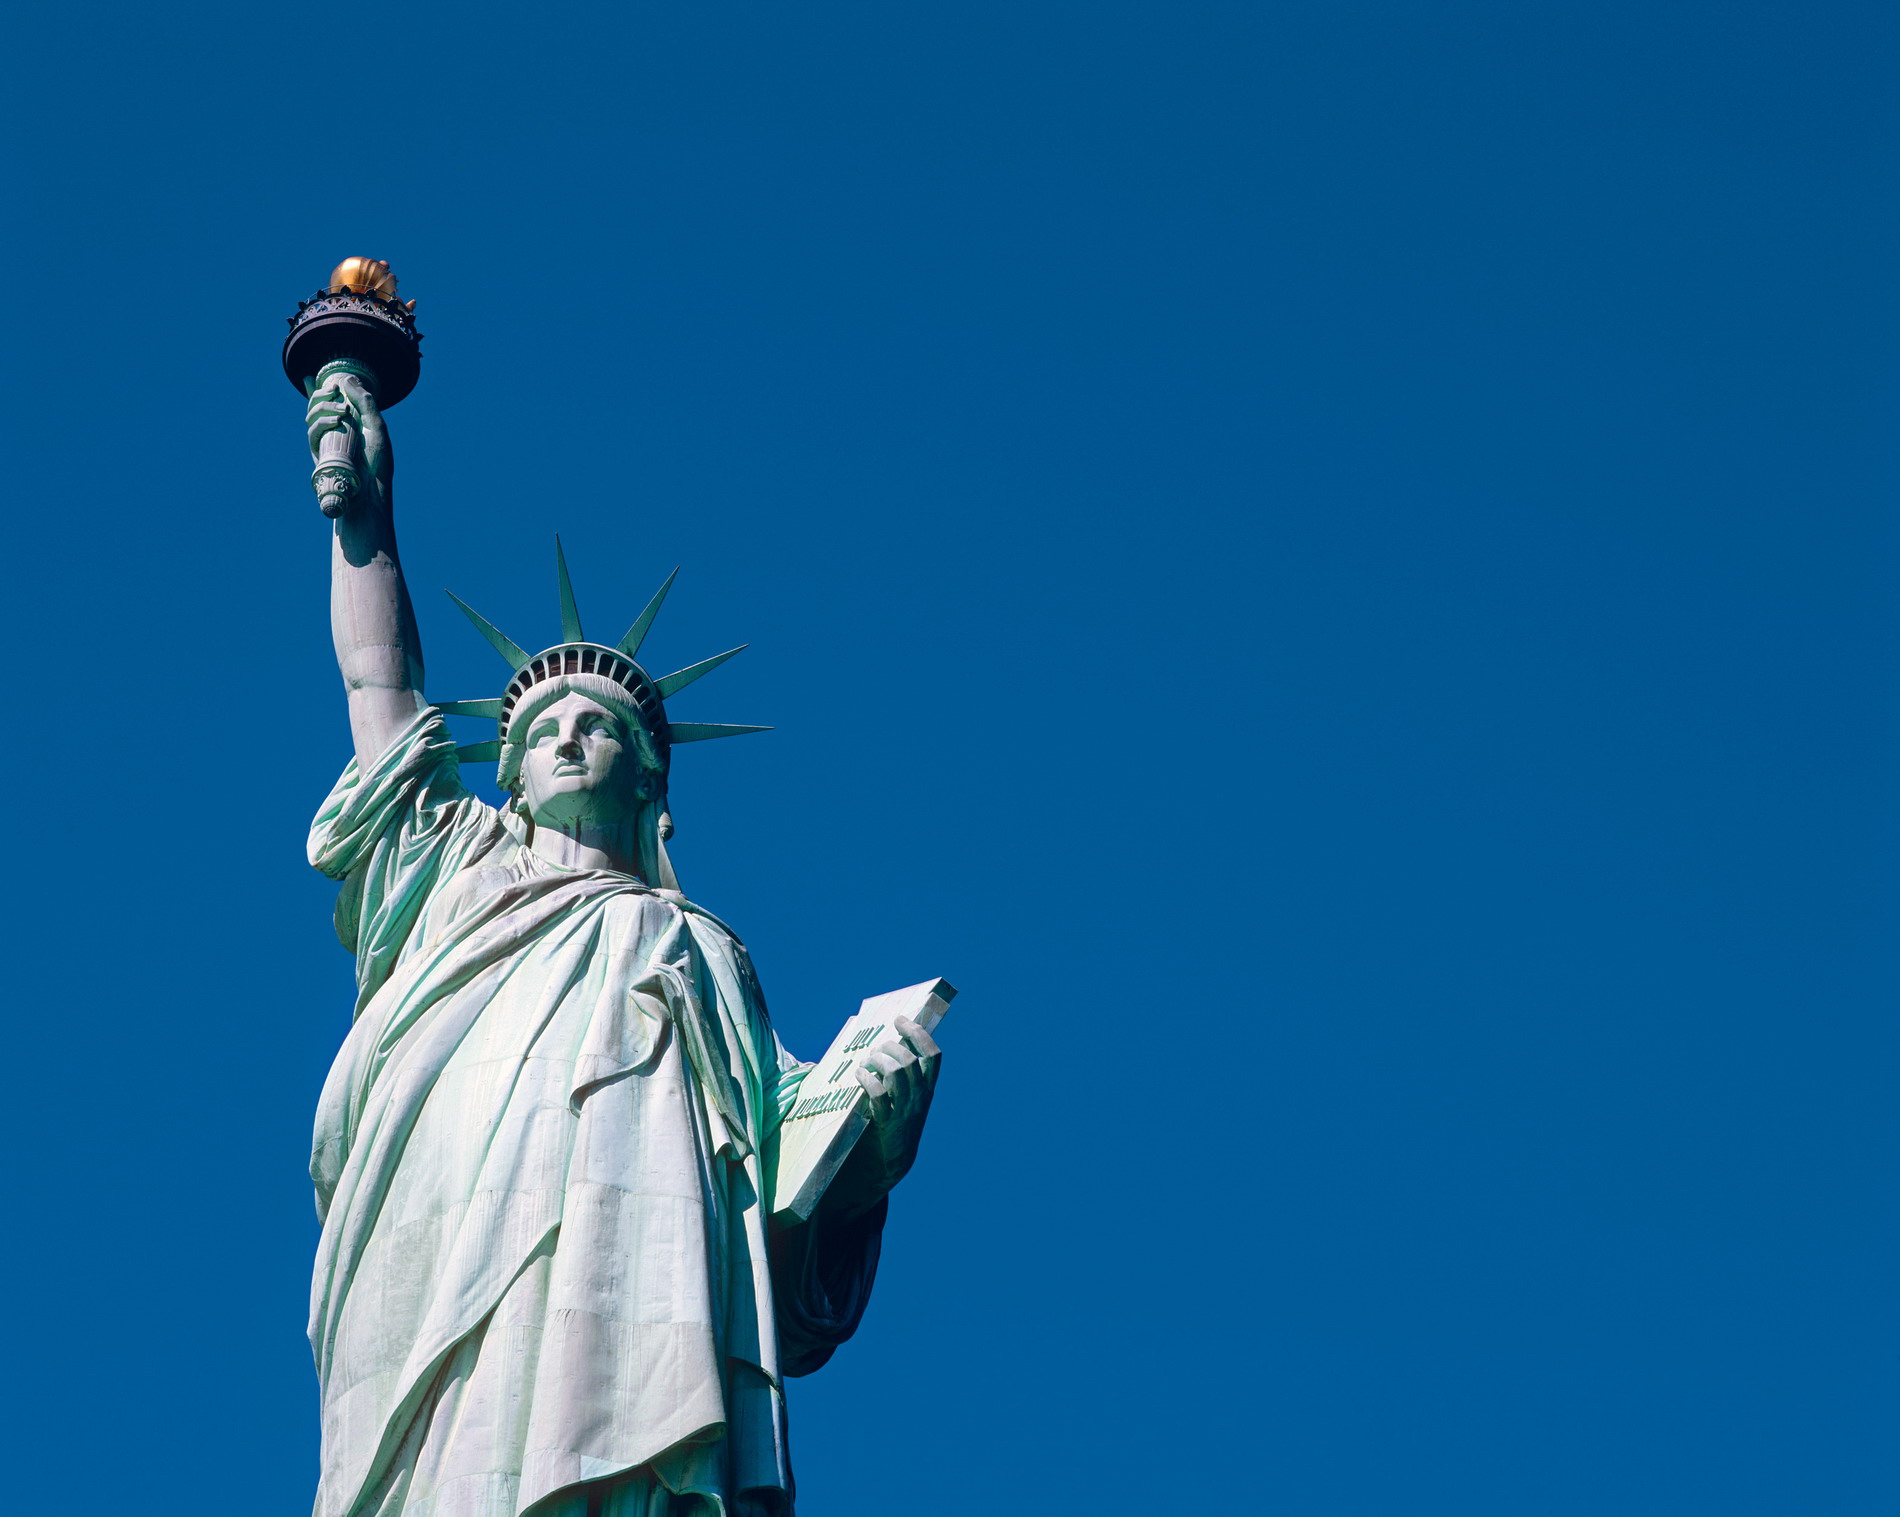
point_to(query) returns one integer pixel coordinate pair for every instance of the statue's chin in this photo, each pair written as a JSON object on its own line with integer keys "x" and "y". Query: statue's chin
{"x": 582, "y": 809}
{"x": 581, "y": 800}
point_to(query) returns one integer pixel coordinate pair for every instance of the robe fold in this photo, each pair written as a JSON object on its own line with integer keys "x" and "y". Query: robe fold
{"x": 540, "y": 1161}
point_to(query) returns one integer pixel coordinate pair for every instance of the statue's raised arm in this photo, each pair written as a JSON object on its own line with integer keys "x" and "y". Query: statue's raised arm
{"x": 372, "y": 622}
{"x": 354, "y": 351}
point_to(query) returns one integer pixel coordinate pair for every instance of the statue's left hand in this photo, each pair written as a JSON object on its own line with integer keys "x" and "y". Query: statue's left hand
{"x": 901, "y": 1075}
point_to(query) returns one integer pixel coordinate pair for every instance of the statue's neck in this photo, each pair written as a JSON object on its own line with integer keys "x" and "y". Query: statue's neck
{"x": 582, "y": 845}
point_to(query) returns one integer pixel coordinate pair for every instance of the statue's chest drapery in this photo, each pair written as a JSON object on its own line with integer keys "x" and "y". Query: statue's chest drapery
{"x": 522, "y": 972}
{"x": 536, "y": 1009}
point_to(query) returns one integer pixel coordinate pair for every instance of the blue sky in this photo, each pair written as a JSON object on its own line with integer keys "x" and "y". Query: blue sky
{"x": 1328, "y": 564}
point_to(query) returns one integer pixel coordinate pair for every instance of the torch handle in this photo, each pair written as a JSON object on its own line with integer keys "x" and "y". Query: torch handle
{"x": 334, "y": 478}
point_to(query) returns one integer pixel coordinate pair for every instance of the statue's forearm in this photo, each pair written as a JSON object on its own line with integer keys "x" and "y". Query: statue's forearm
{"x": 373, "y": 625}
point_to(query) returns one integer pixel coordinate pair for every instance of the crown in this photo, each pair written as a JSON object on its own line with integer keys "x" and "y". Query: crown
{"x": 574, "y": 654}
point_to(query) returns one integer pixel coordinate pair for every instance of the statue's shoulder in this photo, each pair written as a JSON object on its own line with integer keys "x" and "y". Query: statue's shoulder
{"x": 702, "y": 922}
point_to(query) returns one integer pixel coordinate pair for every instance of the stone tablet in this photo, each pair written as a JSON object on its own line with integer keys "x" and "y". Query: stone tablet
{"x": 818, "y": 1132}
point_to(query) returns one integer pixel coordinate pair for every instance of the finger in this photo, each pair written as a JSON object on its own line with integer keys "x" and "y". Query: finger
{"x": 884, "y": 1059}
{"x": 364, "y": 397}
{"x": 929, "y": 1056}
{"x": 919, "y": 1041}
{"x": 903, "y": 1074}
{"x": 913, "y": 1072}
{"x": 876, "y": 1088}
{"x": 333, "y": 388}
{"x": 901, "y": 1077}
{"x": 326, "y": 416}
{"x": 904, "y": 1098}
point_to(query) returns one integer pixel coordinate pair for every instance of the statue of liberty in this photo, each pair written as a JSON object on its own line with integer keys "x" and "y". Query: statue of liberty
{"x": 549, "y": 1282}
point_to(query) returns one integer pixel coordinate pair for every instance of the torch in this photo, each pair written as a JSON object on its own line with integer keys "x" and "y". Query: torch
{"x": 354, "y": 325}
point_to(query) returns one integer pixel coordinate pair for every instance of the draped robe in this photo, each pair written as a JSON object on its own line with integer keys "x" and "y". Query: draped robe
{"x": 545, "y": 1280}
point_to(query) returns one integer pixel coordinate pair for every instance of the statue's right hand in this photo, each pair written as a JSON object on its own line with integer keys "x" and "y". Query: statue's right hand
{"x": 329, "y": 411}
{"x": 343, "y": 403}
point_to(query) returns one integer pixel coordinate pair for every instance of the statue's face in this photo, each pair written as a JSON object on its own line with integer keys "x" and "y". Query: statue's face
{"x": 577, "y": 766}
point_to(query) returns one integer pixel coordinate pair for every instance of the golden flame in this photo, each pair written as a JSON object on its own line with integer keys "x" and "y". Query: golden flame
{"x": 366, "y": 276}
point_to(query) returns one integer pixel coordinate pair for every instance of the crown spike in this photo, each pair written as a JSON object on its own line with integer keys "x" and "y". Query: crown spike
{"x": 489, "y": 709}
{"x": 679, "y": 679}
{"x": 570, "y": 613}
{"x": 699, "y": 732}
{"x": 479, "y": 753}
{"x": 637, "y": 633}
{"x": 513, "y": 654}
